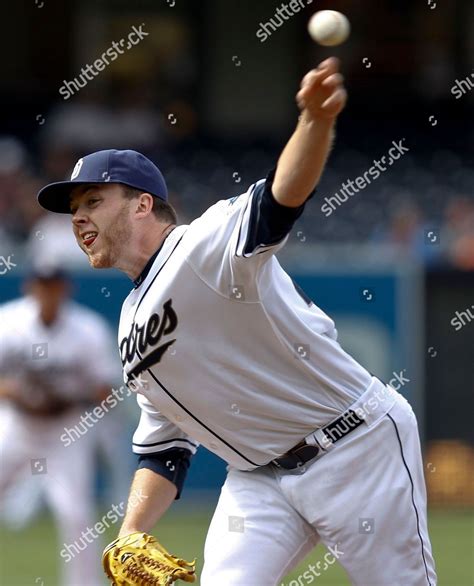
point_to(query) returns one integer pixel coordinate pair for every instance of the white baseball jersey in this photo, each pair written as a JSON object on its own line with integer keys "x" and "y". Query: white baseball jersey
{"x": 74, "y": 354}
{"x": 231, "y": 354}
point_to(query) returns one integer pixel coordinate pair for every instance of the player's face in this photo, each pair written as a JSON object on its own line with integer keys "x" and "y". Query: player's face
{"x": 50, "y": 295}
{"x": 101, "y": 222}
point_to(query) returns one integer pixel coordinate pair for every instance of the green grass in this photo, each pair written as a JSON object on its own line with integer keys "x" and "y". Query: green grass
{"x": 28, "y": 557}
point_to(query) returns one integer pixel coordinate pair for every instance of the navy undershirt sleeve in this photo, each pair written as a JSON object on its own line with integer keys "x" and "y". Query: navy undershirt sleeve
{"x": 172, "y": 464}
{"x": 270, "y": 222}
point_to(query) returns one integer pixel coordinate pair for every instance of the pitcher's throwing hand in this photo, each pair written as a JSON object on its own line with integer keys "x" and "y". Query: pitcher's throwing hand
{"x": 322, "y": 93}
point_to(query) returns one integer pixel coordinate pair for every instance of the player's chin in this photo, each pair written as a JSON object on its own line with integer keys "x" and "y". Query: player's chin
{"x": 100, "y": 263}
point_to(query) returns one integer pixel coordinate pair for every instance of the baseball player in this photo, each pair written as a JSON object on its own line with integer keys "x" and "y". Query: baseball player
{"x": 56, "y": 359}
{"x": 224, "y": 350}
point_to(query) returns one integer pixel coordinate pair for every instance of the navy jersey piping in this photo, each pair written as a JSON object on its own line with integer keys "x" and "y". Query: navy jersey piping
{"x": 175, "y": 439}
{"x": 143, "y": 275}
{"x": 165, "y": 389}
{"x": 412, "y": 498}
{"x": 153, "y": 280}
{"x": 195, "y": 418}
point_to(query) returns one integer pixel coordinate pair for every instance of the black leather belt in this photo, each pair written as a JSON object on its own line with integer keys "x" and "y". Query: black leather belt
{"x": 334, "y": 431}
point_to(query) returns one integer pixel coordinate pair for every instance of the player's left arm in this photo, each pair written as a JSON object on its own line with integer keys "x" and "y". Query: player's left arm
{"x": 250, "y": 228}
{"x": 321, "y": 98}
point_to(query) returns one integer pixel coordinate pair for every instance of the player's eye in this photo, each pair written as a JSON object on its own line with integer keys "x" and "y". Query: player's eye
{"x": 93, "y": 200}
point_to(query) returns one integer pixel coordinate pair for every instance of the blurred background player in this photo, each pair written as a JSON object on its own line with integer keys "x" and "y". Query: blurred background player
{"x": 56, "y": 359}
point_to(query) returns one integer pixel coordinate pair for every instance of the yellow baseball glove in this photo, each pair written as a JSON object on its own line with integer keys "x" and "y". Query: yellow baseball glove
{"x": 139, "y": 559}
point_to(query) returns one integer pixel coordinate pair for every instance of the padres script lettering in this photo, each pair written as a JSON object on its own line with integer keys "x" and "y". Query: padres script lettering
{"x": 148, "y": 334}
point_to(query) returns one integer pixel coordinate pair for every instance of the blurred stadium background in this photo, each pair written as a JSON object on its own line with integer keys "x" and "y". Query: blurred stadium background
{"x": 213, "y": 106}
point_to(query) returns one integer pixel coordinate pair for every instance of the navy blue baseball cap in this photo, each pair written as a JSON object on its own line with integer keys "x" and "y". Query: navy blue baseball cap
{"x": 109, "y": 166}
{"x": 47, "y": 274}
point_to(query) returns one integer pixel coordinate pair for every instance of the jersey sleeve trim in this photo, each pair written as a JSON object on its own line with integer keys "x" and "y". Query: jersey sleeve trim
{"x": 172, "y": 464}
{"x": 265, "y": 222}
{"x": 166, "y": 444}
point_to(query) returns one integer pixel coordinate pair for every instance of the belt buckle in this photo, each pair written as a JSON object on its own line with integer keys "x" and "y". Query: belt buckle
{"x": 294, "y": 454}
{"x": 300, "y": 468}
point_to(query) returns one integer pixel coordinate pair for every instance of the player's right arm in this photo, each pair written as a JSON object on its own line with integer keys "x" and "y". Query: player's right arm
{"x": 164, "y": 457}
{"x": 151, "y": 495}
{"x": 137, "y": 557}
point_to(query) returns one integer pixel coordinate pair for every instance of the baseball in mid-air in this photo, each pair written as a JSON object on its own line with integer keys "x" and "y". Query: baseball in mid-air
{"x": 329, "y": 27}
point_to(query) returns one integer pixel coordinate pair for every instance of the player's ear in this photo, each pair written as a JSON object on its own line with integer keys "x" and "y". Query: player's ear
{"x": 144, "y": 205}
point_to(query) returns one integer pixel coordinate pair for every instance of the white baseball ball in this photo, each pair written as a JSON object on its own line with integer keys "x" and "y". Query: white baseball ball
{"x": 329, "y": 28}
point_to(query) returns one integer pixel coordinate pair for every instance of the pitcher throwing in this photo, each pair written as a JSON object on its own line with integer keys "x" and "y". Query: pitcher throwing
{"x": 224, "y": 350}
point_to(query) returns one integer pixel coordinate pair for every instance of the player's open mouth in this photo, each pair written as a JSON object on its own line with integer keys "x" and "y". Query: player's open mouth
{"x": 89, "y": 238}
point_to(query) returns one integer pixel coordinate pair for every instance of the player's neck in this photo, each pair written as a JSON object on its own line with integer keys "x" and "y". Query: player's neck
{"x": 48, "y": 318}
{"x": 147, "y": 248}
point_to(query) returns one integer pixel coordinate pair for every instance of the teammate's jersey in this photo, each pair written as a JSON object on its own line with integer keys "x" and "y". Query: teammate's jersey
{"x": 224, "y": 349}
{"x": 74, "y": 355}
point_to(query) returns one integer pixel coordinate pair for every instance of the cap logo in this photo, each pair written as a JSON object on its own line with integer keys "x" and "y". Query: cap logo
{"x": 77, "y": 169}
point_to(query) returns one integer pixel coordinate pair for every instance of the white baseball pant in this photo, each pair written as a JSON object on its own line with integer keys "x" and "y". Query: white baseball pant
{"x": 364, "y": 498}
{"x": 64, "y": 474}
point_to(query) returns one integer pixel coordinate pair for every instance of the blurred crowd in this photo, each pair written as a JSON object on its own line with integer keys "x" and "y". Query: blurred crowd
{"x": 424, "y": 209}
